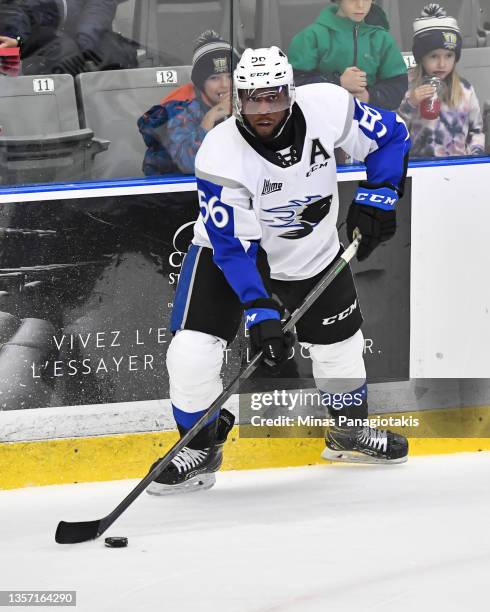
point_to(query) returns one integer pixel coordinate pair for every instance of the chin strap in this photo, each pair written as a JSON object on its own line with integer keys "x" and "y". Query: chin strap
{"x": 281, "y": 126}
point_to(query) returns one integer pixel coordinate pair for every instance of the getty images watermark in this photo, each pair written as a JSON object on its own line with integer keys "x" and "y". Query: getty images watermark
{"x": 416, "y": 408}
{"x": 300, "y": 402}
{"x": 295, "y": 408}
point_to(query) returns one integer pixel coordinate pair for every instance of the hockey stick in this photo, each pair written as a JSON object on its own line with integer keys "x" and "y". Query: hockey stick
{"x": 71, "y": 533}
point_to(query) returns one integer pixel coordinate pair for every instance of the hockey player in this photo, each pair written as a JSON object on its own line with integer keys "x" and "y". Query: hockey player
{"x": 268, "y": 194}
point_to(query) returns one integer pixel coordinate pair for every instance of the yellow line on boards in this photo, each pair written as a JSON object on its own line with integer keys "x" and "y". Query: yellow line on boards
{"x": 124, "y": 456}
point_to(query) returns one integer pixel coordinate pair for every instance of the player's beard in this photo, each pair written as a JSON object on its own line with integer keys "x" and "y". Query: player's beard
{"x": 280, "y": 129}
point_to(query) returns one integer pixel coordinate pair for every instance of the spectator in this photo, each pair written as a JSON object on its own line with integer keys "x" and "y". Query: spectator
{"x": 456, "y": 126}
{"x": 349, "y": 44}
{"x": 9, "y": 41}
{"x": 174, "y": 129}
{"x": 15, "y": 28}
{"x": 15, "y": 23}
{"x": 68, "y": 36}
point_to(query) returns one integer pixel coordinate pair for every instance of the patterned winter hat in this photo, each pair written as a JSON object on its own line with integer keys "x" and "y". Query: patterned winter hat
{"x": 434, "y": 29}
{"x": 212, "y": 55}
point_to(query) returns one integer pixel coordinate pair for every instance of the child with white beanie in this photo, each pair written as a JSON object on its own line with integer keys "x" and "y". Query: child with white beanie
{"x": 440, "y": 108}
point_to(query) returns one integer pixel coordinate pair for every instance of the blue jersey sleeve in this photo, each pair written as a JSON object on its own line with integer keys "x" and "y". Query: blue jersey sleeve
{"x": 381, "y": 139}
{"x": 230, "y": 226}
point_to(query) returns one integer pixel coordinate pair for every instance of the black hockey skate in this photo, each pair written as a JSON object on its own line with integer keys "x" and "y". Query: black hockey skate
{"x": 365, "y": 445}
{"x": 193, "y": 469}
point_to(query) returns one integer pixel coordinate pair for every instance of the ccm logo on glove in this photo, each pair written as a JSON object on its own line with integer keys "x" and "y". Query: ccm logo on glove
{"x": 383, "y": 198}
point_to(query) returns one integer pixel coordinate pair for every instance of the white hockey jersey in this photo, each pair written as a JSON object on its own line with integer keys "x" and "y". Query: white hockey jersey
{"x": 247, "y": 200}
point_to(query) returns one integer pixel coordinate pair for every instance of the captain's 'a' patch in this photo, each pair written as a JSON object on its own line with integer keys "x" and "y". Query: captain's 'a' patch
{"x": 318, "y": 149}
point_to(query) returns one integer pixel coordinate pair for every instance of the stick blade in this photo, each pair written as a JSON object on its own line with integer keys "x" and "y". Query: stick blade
{"x": 74, "y": 533}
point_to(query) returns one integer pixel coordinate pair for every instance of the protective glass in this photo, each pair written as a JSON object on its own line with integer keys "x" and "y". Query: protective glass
{"x": 265, "y": 100}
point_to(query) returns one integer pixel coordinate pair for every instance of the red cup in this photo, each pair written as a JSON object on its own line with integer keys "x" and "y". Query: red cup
{"x": 10, "y": 60}
{"x": 430, "y": 108}
{"x": 9, "y": 51}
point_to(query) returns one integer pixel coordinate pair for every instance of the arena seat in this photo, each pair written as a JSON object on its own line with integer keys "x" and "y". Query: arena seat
{"x": 124, "y": 24}
{"x": 484, "y": 22}
{"x": 124, "y": 19}
{"x": 168, "y": 29}
{"x": 402, "y": 13}
{"x": 111, "y": 102}
{"x": 41, "y": 139}
{"x": 247, "y": 15}
{"x": 485, "y": 13}
{"x": 474, "y": 65}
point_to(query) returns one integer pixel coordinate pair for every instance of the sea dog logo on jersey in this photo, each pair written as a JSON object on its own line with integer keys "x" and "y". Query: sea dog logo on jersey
{"x": 302, "y": 216}
{"x": 270, "y": 187}
{"x": 317, "y": 149}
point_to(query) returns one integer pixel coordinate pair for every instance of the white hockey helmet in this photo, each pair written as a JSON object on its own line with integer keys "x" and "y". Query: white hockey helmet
{"x": 263, "y": 82}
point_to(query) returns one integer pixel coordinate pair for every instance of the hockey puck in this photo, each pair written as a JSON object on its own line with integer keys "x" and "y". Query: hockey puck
{"x": 116, "y": 542}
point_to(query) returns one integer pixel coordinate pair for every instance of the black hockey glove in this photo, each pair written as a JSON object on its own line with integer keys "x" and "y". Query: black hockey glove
{"x": 263, "y": 321}
{"x": 373, "y": 212}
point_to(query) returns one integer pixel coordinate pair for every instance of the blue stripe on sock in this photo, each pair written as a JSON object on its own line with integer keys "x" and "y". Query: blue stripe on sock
{"x": 188, "y": 419}
{"x": 182, "y": 294}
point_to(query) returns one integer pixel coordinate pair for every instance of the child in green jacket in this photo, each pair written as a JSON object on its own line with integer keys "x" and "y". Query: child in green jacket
{"x": 349, "y": 44}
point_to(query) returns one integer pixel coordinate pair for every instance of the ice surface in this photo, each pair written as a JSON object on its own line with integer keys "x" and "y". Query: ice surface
{"x": 410, "y": 538}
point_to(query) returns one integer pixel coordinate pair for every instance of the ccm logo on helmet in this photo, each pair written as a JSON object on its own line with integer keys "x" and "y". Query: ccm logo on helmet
{"x": 376, "y": 198}
{"x": 259, "y": 74}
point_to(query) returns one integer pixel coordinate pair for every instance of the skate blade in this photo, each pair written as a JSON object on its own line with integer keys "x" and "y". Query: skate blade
{"x": 198, "y": 483}
{"x": 357, "y": 457}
